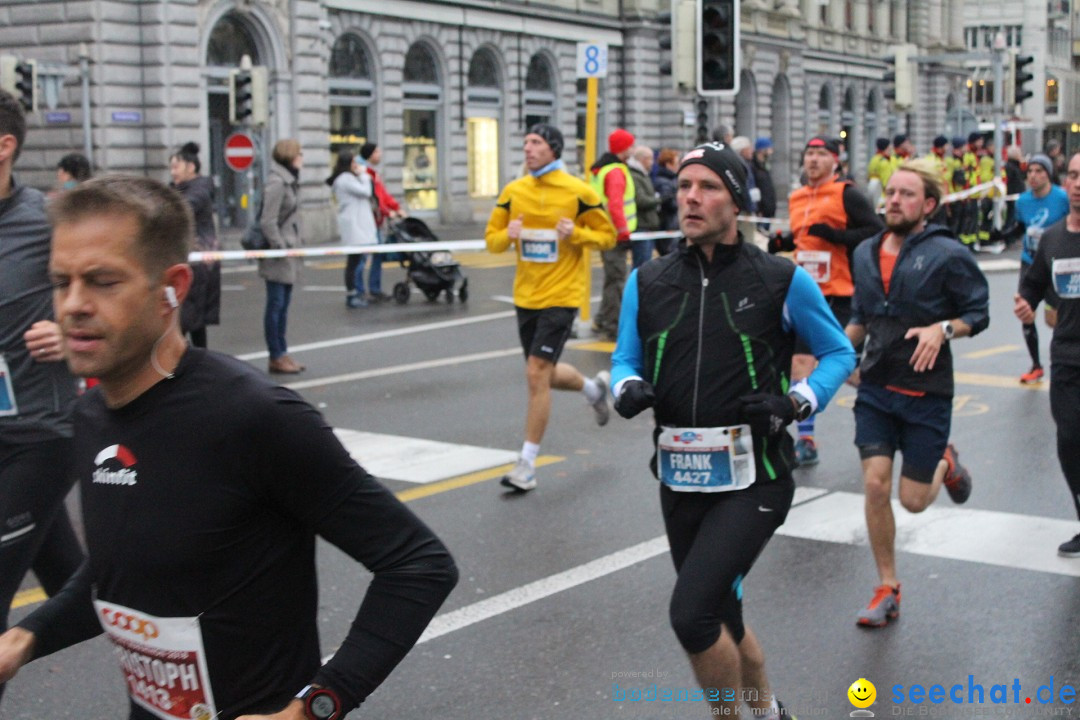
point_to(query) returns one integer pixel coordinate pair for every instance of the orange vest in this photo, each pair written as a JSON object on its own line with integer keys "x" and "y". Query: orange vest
{"x": 826, "y": 262}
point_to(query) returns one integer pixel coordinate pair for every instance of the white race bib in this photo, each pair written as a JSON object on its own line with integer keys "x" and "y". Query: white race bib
{"x": 163, "y": 661}
{"x": 816, "y": 262}
{"x": 538, "y": 245}
{"x": 8, "y": 405}
{"x": 1067, "y": 278}
{"x": 706, "y": 459}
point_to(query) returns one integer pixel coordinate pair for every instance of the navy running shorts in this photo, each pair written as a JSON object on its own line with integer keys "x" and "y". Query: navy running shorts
{"x": 887, "y": 421}
{"x": 544, "y": 332}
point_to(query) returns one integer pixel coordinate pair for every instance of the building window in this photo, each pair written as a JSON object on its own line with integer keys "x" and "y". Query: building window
{"x": 870, "y": 124}
{"x": 849, "y": 15}
{"x": 1053, "y": 90}
{"x": 825, "y": 111}
{"x": 539, "y": 92}
{"x": 229, "y": 41}
{"x": 422, "y": 94}
{"x": 352, "y": 93}
{"x": 484, "y": 103}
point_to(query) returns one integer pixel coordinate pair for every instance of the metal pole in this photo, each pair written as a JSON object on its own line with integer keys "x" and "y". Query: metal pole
{"x": 84, "y": 71}
{"x": 999, "y": 116}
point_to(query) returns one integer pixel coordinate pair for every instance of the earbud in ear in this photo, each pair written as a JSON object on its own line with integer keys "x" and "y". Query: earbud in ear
{"x": 170, "y": 296}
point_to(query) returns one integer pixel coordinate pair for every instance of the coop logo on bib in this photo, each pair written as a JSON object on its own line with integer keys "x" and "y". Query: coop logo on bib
{"x": 115, "y": 465}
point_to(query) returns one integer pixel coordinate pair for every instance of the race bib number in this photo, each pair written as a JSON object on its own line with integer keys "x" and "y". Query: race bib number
{"x": 541, "y": 246}
{"x": 7, "y": 391}
{"x": 816, "y": 262}
{"x": 706, "y": 459}
{"x": 163, "y": 662}
{"x": 1067, "y": 278}
{"x": 1034, "y": 235}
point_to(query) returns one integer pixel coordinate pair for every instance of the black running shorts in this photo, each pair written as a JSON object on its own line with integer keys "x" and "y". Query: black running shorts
{"x": 544, "y": 332}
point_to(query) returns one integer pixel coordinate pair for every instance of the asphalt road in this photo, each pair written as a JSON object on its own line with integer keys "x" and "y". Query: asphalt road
{"x": 561, "y": 611}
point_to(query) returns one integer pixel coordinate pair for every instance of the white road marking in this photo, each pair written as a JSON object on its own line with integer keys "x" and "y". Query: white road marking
{"x": 1026, "y": 542}
{"x": 398, "y": 369}
{"x": 411, "y": 330}
{"x": 416, "y": 460}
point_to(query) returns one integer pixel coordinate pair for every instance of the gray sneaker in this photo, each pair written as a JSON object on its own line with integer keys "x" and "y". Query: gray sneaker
{"x": 600, "y": 407}
{"x": 885, "y": 606}
{"x": 522, "y": 477}
{"x": 1070, "y": 548}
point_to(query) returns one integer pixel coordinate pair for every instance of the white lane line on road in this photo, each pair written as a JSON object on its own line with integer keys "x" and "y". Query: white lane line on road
{"x": 369, "y": 337}
{"x": 1025, "y": 542}
{"x": 416, "y": 460}
{"x": 398, "y": 369}
{"x": 526, "y": 594}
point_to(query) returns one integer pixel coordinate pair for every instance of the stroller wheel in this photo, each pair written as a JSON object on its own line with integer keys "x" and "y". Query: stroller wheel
{"x": 401, "y": 293}
{"x": 463, "y": 293}
{"x": 431, "y": 295}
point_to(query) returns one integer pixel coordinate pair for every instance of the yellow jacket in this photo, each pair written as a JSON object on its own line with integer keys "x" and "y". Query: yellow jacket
{"x": 880, "y": 167}
{"x": 552, "y": 272}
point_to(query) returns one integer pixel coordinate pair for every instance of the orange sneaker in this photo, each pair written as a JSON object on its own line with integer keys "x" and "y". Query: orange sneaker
{"x": 957, "y": 478}
{"x": 1033, "y": 375}
{"x": 883, "y": 607}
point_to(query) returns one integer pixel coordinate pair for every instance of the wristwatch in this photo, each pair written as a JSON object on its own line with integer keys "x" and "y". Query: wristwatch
{"x": 320, "y": 703}
{"x": 948, "y": 329}
{"x": 803, "y": 408}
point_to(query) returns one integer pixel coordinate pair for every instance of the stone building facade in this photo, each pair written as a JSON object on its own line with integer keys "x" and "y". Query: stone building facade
{"x": 448, "y": 88}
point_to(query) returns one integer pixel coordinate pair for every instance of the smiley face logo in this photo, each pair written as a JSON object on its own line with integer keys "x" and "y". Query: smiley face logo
{"x": 862, "y": 693}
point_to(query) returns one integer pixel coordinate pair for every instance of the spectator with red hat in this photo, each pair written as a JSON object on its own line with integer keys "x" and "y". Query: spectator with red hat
{"x": 612, "y": 181}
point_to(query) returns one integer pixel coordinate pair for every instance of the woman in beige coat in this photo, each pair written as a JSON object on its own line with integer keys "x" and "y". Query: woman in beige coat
{"x": 280, "y": 223}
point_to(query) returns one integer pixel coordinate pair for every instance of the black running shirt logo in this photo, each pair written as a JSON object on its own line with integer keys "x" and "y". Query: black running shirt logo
{"x": 115, "y": 465}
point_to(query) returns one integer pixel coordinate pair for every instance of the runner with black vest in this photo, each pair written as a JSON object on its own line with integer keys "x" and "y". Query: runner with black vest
{"x": 706, "y": 338}
{"x": 830, "y": 216}
{"x": 1055, "y": 273}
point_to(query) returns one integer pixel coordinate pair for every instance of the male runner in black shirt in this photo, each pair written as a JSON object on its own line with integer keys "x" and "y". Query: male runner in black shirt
{"x": 203, "y": 488}
{"x": 1056, "y": 272}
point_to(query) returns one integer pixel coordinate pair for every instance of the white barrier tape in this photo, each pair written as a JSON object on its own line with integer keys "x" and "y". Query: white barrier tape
{"x": 451, "y": 245}
{"x": 965, "y": 194}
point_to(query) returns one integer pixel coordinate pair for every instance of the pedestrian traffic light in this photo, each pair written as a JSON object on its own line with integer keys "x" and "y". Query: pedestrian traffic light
{"x": 678, "y": 36}
{"x": 248, "y": 96}
{"x": 1021, "y": 78}
{"x": 900, "y": 77}
{"x": 702, "y": 135}
{"x": 718, "y": 52}
{"x": 20, "y": 78}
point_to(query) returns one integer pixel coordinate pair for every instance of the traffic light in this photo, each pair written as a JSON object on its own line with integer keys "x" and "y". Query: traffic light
{"x": 20, "y": 79}
{"x": 900, "y": 77}
{"x": 249, "y": 96}
{"x": 702, "y": 135}
{"x": 1021, "y": 77}
{"x": 718, "y": 52}
{"x": 679, "y": 38}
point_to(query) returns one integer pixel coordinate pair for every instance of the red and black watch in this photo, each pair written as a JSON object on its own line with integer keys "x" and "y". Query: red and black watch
{"x": 320, "y": 703}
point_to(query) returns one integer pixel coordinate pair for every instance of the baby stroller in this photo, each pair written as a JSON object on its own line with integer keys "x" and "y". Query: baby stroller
{"x": 432, "y": 272}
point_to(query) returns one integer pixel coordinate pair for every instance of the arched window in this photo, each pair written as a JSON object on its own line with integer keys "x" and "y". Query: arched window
{"x": 422, "y": 91}
{"x": 870, "y": 123}
{"x": 825, "y": 104}
{"x": 484, "y": 103}
{"x": 230, "y": 40}
{"x": 352, "y": 94}
{"x": 539, "y": 91}
{"x": 847, "y": 122}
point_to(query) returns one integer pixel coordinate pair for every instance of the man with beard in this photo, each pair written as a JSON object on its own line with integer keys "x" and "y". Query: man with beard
{"x": 916, "y": 289}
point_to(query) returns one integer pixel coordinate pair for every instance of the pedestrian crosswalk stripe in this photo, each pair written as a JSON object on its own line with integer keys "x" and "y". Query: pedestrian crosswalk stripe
{"x": 1027, "y": 542}
{"x": 414, "y": 460}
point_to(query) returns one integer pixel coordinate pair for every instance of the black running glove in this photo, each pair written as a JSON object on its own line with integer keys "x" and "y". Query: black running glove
{"x": 766, "y": 414}
{"x": 823, "y": 231}
{"x": 781, "y": 242}
{"x": 636, "y": 395}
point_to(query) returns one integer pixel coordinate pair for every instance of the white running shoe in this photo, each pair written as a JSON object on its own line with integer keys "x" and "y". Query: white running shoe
{"x": 600, "y": 407}
{"x": 522, "y": 477}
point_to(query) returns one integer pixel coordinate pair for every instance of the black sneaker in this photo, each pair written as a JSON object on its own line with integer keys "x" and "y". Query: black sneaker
{"x": 1070, "y": 549}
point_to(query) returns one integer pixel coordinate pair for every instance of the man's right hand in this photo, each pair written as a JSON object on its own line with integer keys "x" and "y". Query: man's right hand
{"x": 781, "y": 242}
{"x": 16, "y": 649}
{"x": 513, "y": 230}
{"x": 1023, "y": 310}
{"x": 635, "y": 396}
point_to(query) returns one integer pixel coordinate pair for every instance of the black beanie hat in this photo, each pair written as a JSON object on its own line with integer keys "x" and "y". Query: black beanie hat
{"x": 941, "y": 141}
{"x": 881, "y": 144}
{"x": 973, "y": 137}
{"x": 367, "y": 149}
{"x": 723, "y": 161}
{"x": 899, "y": 140}
{"x": 831, "y": 145}
{"x": 551, "y": 136}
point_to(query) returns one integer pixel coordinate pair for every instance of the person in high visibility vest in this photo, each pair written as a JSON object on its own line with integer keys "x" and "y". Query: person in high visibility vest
{"x": 969, "y": 222}
{"x": 957, "y": 181}
{"x": 612, "y": 182}
{"x": 878, "y": 171}
{"x": 938, "y": 158}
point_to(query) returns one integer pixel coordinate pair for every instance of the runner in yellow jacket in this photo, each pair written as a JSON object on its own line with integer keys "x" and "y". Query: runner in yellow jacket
{"x": 550, "y": 217}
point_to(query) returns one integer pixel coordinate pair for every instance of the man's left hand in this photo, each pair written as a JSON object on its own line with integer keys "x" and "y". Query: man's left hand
{"x": 767, "y": 414}
{"x": 293, "y": 711}
{"x": 564, "y": 228}
{"x": 44, "y": 341}
{"x": 930, "y": 339}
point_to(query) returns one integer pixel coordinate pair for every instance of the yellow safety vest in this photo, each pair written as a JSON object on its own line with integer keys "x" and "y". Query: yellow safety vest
{"x": 629, "y": 202}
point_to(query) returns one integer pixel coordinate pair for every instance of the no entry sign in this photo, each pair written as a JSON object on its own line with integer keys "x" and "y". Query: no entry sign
{"x": 239, "y": 151}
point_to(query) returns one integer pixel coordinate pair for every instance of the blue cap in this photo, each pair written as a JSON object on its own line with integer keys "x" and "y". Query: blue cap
{"x": 763, "y": 143}
{"x": 958, "y": 141}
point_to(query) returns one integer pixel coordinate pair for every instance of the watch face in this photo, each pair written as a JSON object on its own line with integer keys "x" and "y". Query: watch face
{"x": 323, "y": 706}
